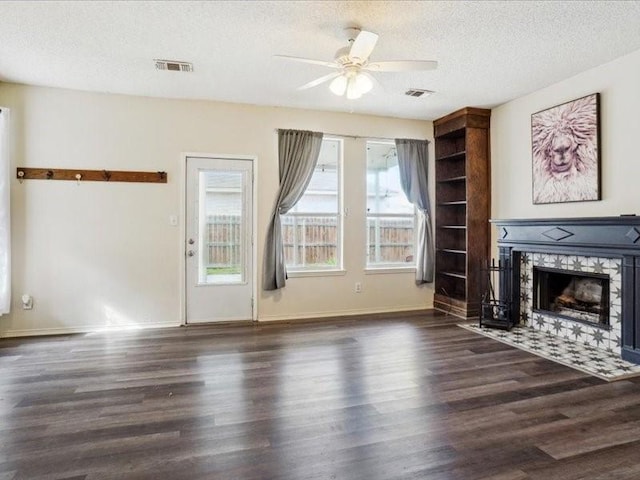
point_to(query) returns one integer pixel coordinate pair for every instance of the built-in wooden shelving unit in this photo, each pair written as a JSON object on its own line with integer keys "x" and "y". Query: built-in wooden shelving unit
{"x": 462, "y": 209}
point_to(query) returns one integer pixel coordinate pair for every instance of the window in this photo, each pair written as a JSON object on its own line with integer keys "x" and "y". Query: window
{"x": 312, "y": 230}
{"x": 391, "y": 218}
{"x": 223, "y": 225}
{"x": 5, "y": 224}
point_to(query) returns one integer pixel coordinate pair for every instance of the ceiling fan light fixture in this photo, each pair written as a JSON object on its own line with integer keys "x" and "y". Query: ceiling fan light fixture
{"x": 353, "y": 92}
{"x": 339, "y": 85}
{"x": 354, "y": 85}
{"x": 363, "y": 83}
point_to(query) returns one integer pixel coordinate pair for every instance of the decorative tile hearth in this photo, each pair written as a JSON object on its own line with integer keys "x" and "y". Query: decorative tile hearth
{"x": 607, "y": 339}
{"x": 606, "y": 365}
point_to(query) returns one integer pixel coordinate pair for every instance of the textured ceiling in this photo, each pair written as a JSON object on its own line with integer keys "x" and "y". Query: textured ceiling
{"x": 488, "y": 52}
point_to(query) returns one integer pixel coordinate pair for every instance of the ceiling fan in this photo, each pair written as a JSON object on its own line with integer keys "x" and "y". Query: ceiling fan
{"x": 353, "y": 66}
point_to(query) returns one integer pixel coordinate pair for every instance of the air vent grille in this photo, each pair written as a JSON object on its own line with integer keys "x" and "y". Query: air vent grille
{"x": 174, "y": 65}
{"x": 417, "y": 92}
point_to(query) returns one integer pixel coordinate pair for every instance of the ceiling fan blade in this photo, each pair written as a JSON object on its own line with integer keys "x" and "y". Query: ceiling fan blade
{"x": 401, "y": 66}
{"x": 309, "y": 60}
{"x": 318, "y": 81}
{"x": 362, "y": 46}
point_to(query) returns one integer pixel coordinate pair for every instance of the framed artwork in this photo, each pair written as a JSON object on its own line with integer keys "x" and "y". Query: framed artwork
{"x": 565, "y": 147}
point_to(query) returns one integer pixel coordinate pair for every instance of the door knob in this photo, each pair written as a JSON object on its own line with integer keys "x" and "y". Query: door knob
{"x": 191, "y": 253}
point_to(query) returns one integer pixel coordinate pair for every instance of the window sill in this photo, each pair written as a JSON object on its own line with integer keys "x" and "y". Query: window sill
{"x": 315, "y": 273}
{"x": 381, "y": 270}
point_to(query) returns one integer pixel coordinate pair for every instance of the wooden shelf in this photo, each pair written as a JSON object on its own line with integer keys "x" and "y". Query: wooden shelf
{"x": 461, "y": 142}
{"x": 454, "y": 274}
{"x": 453, "y": 134}
{"x": 452, "y": 250}
{"x": 453, "y": 156}
{"x": 461, "y": 178}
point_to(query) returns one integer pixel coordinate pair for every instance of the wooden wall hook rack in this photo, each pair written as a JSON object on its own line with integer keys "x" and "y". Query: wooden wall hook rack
{"x": 23, "y": 173}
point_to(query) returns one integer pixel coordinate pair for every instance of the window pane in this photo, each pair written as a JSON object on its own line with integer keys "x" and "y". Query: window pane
{"x": 384, "y": 192}
{"x": 390, "y": 240}
{"x": 222, "y": 228}
{"x": 310, "y": 241}
{"x": 322, "y": 193}
{"x": 311, "y": 230}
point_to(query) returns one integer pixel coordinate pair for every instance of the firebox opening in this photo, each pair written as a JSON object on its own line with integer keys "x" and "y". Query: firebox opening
{"x": 578, "y": 296}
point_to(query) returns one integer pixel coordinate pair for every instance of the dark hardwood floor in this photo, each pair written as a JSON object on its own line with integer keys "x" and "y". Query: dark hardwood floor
{"x": 399, "y": 397}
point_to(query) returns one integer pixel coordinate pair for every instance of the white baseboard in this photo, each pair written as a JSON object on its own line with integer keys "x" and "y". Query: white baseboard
{"x": 83, "y": 329}
{"x": 261, "y": 318}
{"x": 342, "y": 313}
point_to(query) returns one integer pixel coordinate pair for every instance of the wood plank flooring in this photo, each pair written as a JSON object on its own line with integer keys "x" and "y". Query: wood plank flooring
{"x": 396, "y": 397}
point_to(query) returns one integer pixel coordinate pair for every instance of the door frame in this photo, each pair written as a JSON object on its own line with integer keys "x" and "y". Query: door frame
{"x": 182, "y": 260}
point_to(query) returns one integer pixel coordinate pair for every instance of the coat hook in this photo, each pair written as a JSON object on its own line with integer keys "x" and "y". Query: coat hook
{"x": 162, "y": 175}
{"x": 78, "y": 177}
{"x": 106, "y": 175}
{"x": 20, "y": 176}
{"x": 49, "y": 174}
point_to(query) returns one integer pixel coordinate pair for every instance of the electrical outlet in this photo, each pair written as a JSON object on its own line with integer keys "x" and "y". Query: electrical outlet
{"x": 27, "y": 302}
{"x": 358, "y": 287}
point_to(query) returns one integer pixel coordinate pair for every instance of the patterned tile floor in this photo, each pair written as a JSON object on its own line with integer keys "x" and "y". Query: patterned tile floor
{"x": 595, "y": 361}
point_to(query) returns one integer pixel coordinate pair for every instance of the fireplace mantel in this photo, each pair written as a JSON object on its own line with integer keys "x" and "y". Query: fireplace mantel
{"x": 611, "y": 237}
{"x": 621, "y": 234}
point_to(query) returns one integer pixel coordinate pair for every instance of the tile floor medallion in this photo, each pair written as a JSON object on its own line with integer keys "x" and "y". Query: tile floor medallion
{"x": 587, "y": 348}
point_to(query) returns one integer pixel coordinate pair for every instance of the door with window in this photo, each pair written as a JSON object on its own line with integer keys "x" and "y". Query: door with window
{"x": 219, "y": 237}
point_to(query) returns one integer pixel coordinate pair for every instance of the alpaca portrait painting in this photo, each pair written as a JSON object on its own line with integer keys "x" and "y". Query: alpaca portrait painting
{"x": 566, "y": 152}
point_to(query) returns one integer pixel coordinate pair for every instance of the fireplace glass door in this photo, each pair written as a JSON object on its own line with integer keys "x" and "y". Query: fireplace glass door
{"x": 578, "y": 296}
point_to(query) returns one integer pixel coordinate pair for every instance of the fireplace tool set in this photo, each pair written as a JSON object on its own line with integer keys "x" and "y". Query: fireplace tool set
{"x": 496, "y": 312}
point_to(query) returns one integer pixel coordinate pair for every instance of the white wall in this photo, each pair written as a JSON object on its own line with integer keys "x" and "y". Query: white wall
{"x": 619, "y": 85}
{"x": 103, "y": 254}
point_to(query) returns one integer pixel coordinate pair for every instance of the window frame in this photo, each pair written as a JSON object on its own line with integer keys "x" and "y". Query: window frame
{"x": 338, "y": 268}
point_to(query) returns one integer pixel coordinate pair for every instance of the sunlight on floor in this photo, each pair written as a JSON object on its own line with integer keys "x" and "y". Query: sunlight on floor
{"x": 116, "y": 321}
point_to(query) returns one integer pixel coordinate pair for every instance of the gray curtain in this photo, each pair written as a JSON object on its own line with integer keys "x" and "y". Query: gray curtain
{"x": 297, "y": 155}
{"x": 413, "y": 160}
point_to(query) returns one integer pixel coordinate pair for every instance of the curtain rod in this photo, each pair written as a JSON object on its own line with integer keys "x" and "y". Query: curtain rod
{"x": 355, "y": 137}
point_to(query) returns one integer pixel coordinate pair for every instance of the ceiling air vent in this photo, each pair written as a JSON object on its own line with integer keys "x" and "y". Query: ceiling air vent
{"x": 416, "y": 92}
{"x": 174, "y": 65}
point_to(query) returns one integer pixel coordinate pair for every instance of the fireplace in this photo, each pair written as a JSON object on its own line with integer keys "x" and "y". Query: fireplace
{"x": 576, "y": 296}
{"x": 536, "y": 303}
{"x": 575, "y": 278}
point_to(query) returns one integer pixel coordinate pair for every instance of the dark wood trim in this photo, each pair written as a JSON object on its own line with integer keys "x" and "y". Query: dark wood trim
{"x": 468, "y": 117}
{"x": 454, "y": 306}
{"x": 24, "y": 173}
{"x": 483, "y": 112}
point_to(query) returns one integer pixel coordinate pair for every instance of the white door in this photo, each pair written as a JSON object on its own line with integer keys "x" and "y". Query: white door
{"x": 218, "y": 243}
